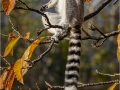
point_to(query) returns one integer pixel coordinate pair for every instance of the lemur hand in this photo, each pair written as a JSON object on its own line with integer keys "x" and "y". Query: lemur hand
{"x": 43, "y": 7}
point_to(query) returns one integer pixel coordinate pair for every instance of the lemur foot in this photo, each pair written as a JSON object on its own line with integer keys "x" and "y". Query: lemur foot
{"x": 43, "y": 8}
{"x": 55, "y": 38}
{"x": 56, "y": 35}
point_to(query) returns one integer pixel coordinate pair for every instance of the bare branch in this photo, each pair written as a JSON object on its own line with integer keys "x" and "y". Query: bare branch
{"x": 112, "y": 75}
{"x": 43, "y": 54}
{"x": 98, "y": 10}
{"x": 37, "y": 86}
{"x": 84, "y": 85}
{"x": 5, "y": 60}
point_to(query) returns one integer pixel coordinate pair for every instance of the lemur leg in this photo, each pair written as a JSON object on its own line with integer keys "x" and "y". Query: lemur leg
{"x": 54, "y": 19}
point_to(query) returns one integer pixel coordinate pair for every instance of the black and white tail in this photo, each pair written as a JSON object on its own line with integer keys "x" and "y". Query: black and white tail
{"x": 73, "y": 63}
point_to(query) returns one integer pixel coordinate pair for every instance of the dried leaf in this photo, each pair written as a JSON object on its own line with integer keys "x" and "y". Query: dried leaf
{"x": 8, "y": 6}
{"x": 10, "y": 46}
{"x": 112, "y": 87}
{"x": 10, "y": 79}
{"x": 7, "y": 78}
{"x": 3, "y": 77}
{"x": 18, "y": 70}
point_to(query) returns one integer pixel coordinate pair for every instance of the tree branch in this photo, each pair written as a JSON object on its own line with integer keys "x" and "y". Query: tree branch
{"x": 98, "y": 10}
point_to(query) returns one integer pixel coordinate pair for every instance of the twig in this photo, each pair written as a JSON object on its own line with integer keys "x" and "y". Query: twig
{"x": 99, "y": 83}
{"x": 84, "y": 85}
{"x": 112, "y": 75}
{"x": 19, "y": 87}
{"x": 1, "y": 68}
{"x": 115, "y": 1}
{"x": 95, "y": 43}
{"x": 4, "y": 35}
{"x": 85, "y": 32}
{"x": 43, "y": 54}
{"x": 13, "y": 27}
{"x": 37, "y": 86}
{"x": 5, "y": 60}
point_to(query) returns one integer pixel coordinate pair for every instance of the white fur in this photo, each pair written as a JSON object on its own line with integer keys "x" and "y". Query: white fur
{"x": 73, "y": 56}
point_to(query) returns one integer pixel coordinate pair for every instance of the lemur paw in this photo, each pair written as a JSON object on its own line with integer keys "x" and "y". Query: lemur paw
{"x": 55, "y": 38}
{"x": 43, "y": 7}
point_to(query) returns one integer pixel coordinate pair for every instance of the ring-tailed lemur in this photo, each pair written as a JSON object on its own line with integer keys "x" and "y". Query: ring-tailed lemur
{"x": 70, "y": 14}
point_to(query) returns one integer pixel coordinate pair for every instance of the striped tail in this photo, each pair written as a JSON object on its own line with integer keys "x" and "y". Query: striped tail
{"x": 73, "y": 63}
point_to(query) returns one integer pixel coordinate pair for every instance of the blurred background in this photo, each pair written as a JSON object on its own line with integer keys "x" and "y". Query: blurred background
{"x": 52, "y": 67}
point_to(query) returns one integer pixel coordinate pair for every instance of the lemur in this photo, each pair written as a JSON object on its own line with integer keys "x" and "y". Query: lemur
{"x": 69, "y": 13}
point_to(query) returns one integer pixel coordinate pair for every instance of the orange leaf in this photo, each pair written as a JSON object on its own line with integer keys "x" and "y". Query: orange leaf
{"x": 11, "y": 37}
{"x": 118, "y": 49}
{"x": 3, "y": 77}
{"x": 10, "y": 46}
{"x": 112, "y": 87}
{"x": 8, "y": 6}
{"x": 18, "y": 70}
{"x": 10, "y": 79}
{"x": 7, "y": 78}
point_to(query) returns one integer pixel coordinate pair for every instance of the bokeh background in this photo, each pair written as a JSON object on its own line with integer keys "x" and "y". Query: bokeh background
{"x": 52, "y": 67}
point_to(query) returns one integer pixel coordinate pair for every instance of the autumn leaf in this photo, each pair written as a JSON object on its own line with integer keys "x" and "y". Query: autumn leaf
{"x": 18, "y": 70}
{"x": 118, "y": 26}
{"x": 10, "y": 46}
{"x": 10, "y": 79}
{"x": 28, "y": 53}
{"x": 7, "y": 78}
{"x": 112, "y": 87}
{"x": 8, "y": 6}
{"x": 3, "y": 77}
{"x": 10, "y": 38}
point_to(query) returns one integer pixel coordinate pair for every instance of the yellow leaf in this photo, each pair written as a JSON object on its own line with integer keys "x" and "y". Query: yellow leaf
{"x": 118, "y": 54}
{"x": 10, "y": 46}
{"x": 10, "y": 38}
{"x": 8, "y": 6}
{"x": 28, "y": 53}
{"x": 112, "y": 87}
{"x": 18, "y": 70}
{"x": 118, "y": 49}
{"x": 118, "y": 26}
